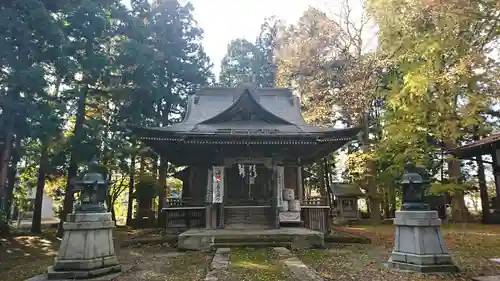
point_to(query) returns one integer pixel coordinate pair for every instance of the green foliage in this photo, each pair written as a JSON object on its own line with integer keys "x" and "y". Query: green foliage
{"x": 147, "y": 188}
{"x": 237, "y": 66}
{"x": 73, "y": 72}
{"x": 252, "y": 62}
{"x": 430, "y": 85}
{"x": 355, "y": 168}
{"x": 174, "y": 185}
{"x": 304, "y": 63}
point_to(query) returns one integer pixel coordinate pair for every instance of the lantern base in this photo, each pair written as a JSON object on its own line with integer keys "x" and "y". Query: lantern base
{"x": 87, "y": 248}
{"x": 90, "y": 208}
{"x": 419, "y": 244}
{"x": 415, "y": 206}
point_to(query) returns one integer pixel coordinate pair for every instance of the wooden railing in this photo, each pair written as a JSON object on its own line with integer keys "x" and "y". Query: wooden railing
{"x": 181, "y": 214}
{"x": 315, "y": 201}
{"x": 315, "y": 213}
{"x": 247, "y": 202}
{"x": 186, "y": 201}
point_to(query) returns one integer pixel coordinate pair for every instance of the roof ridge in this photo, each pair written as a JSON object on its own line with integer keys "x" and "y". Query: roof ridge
{"x": 207, "y": 91}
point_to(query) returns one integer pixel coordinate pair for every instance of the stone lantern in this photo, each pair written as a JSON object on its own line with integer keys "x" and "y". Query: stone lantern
{"x": 93, "y": 190}
{"x": 419, "y": 243}
{"x": 415, "y": 184}
{"x": 87, "y": 250}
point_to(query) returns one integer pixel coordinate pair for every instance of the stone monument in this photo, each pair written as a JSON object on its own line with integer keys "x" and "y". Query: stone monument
{"x": 419, "y": 244}
{"x": 87, "y": 249}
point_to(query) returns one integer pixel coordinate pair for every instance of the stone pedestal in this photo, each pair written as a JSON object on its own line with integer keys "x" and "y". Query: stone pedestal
{"x": 289, "y": 216}
{"x": 87, "y": 248}
{"x": 419, "y": 244}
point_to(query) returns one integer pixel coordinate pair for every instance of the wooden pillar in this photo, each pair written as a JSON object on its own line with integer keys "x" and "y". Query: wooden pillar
{"x": 221, "y": 215}
{"x": 496, "y": 170}
{"x": 274, "y": 218}
{"x": 300, "y": 187}
{"x": 219, "y": 192}
{"x": 209, "y": 222}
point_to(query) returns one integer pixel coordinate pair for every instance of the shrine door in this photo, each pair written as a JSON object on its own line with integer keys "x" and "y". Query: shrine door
{"x": 248, "y": 196}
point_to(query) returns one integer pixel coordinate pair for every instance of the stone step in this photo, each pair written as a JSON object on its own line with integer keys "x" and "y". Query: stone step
{"x": 252, "y": 239}
{"x": 495, "y": 260}
{"x": 252, "y": 244}
{"x": 247, "y": 216}
{"x": 220, "y": 262}
{"x": 487, "y": 278}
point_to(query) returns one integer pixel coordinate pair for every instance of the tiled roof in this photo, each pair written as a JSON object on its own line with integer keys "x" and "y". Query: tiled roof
{"x": 245, "y": 116}
{"x": 278, "y": 104}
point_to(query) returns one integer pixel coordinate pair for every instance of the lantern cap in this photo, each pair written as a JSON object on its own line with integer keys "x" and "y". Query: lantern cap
{"x": 414, "y": 174}
{"x": 93, "y": 165}
{"x": 93, "y": 188}
{"x": 411, "y": 177}
{"x": 93, "y": 174}
{"x": 414, "y": 183}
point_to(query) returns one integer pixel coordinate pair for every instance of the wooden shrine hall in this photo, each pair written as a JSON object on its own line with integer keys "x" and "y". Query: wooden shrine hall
{"x": 243, "y": 148}
{"x": 487, "y": 146}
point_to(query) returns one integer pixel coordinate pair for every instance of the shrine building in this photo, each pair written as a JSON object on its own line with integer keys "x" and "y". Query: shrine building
{"x": 243, "y": 149}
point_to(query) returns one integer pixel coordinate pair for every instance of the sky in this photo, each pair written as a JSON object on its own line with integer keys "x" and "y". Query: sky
{"x": 224, "y": 20}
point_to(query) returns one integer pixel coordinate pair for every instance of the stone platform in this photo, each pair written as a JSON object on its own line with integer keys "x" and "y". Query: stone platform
{"x": 419, "y": 244}
{"x": 87, "y": 249}
{"x": 205, "y": 239}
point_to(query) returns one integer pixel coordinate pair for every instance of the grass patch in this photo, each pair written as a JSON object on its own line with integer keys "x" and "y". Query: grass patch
{"x": 189, "y": 266}
{"x": 471, "y": 246}
{"x": 248, "y": 264}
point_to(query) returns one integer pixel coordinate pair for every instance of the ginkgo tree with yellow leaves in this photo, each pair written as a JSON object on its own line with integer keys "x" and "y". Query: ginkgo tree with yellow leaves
{"x": 439, "y": 88}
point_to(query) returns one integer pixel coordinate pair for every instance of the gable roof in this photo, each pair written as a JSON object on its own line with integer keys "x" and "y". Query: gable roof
{"x": 247, "y": 104}
{"x": 210, "y": 110}
{"x": 210, "y": 102}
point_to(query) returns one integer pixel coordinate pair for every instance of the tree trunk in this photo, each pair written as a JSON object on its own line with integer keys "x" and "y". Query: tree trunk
{"x": 142, "y": 166}
{"x": 162, "y": 181}
{"x": 73, "y": 162}
{"x": 483, "y": 190}
{"x": 4, "y": 162}
{"x": 154, "y": 159}
{"x": 321, "y": 177}
{"x": 385, "y": 203}
{"x": 16, "y": 156}
{"x": 112, "y": 211}
{"x": 130, "y": 204}
{"x": 36, "y": 225}
{"x": 392, "y": 198}
{"x": 371, "y": 184}
{"x": 327, "y": 183}
{"x": 110, "y": 201}
{"x": 162, "y": 178}
{"x": 459, "y": 210}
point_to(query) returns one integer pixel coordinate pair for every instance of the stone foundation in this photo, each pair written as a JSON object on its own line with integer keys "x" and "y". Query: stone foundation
{"x": 87, "y": 248}
{"x": 205, "y": 239}
{"x": 419, "y": 244}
